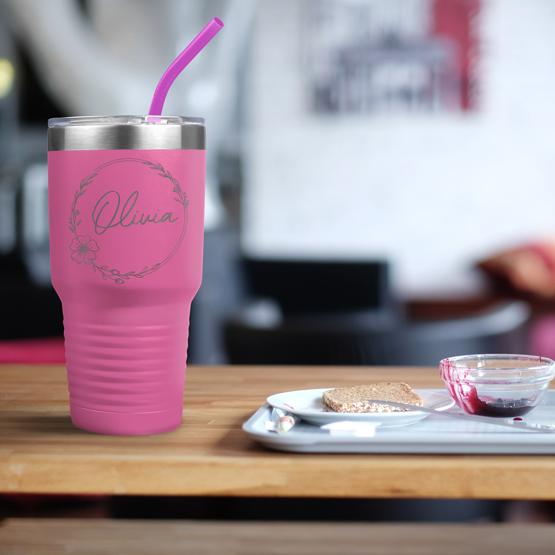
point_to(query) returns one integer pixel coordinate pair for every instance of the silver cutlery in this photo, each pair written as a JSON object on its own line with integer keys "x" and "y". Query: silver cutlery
{"x": 514, "y": 424}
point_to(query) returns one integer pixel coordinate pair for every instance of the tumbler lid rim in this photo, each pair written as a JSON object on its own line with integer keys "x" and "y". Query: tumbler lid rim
{"x": 124, "y": 120}
{"x": 126, "y": 132}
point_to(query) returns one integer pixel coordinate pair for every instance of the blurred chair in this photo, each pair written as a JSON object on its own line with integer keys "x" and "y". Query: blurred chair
{"x": 321, "y": 286}
{"x": 260, "y": 334}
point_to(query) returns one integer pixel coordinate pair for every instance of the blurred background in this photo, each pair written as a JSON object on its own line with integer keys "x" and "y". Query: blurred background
{"x": 380, "y": 178}
{"x": 379, "y": 171}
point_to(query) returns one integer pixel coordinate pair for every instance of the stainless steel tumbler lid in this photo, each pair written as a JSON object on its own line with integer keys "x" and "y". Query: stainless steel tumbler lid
{"x": 126, "y": 132}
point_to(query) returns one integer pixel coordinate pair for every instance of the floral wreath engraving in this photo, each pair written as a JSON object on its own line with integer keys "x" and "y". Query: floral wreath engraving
{"x": 84, "y": 249}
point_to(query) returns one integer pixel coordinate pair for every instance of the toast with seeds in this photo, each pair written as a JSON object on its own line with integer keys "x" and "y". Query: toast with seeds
{"x": 359, "y": 397}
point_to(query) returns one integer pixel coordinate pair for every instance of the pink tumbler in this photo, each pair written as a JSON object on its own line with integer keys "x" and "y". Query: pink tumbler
{"x": 126, "y": 208}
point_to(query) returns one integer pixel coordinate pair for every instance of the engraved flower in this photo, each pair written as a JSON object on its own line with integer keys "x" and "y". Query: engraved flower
{"x": 83, "y": 249}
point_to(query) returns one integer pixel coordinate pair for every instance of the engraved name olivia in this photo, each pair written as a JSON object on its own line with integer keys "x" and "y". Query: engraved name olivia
{"x": 109, "y": 212}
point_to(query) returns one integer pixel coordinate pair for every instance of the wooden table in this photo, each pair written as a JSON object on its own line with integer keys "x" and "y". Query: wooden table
{"x": 104, "y": 537}
{"x": 40, "y": 451}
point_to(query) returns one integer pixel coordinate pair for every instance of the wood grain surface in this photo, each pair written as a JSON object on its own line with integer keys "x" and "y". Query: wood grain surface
{"x": 41, "y": 452}
{"x": 107, "y": 537}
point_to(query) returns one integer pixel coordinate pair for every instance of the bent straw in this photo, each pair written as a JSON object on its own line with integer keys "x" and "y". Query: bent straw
{"x": 180, "y": 63}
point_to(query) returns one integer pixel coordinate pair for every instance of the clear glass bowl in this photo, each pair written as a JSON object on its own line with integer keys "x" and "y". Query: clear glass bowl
{"x": 497, "y": 385}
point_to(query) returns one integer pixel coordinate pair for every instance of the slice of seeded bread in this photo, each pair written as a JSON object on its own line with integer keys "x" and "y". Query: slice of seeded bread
{"x": 359, "y": 398}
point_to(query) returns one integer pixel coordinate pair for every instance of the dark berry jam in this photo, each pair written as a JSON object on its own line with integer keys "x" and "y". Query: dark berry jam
{"x": 503, "y": 408}
{"x": 488, "y": 406}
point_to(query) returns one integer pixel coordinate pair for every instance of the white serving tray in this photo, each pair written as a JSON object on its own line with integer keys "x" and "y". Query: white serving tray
{"x": 435, "y": 434}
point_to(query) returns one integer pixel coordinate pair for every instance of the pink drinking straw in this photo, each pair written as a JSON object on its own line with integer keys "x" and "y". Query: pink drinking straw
{"x": 180, "y": 63}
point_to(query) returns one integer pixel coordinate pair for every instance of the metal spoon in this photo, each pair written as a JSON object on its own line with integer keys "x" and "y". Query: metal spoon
{"x": 514, "y": 424}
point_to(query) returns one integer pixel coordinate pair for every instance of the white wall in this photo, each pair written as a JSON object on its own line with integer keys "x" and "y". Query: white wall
{"x": 432, "y": 194}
